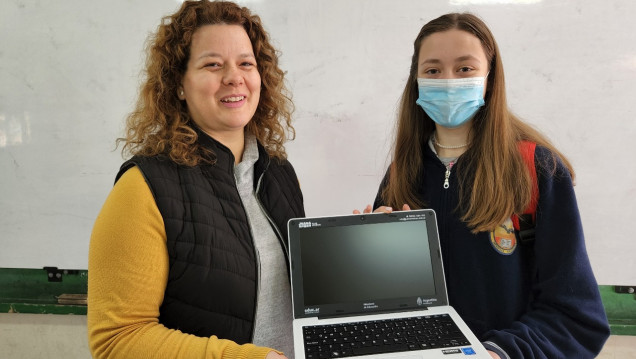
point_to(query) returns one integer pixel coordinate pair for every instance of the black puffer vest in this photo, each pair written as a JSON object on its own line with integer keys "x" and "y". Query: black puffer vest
{"x": 213, "y": 281}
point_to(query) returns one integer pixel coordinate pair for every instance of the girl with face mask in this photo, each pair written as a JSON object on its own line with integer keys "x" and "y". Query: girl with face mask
{"x": 457, "y": 151}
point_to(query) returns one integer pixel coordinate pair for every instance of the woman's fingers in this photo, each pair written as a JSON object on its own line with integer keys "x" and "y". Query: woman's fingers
{"x": 381, "y": 209}
{"x": 366, "y": 209}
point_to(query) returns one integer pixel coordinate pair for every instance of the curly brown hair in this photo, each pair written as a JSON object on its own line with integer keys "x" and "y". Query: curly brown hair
{"x": 160, "y": 122}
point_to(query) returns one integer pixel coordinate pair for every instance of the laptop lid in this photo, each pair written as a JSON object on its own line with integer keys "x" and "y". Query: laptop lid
{"x": 365, "y": 264}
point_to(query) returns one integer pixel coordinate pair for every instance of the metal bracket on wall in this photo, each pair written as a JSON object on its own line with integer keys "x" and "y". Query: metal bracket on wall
{"x": 55, "y": 275}
{"x": 627, "y": 289}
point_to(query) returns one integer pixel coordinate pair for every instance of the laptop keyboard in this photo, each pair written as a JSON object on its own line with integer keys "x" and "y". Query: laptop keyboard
{"x": 382, "y": 336}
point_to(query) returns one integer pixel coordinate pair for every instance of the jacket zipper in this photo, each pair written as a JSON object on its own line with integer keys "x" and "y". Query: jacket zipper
{"x": 444, "y": 209}
{"x": 258, "y": 284}
{"x": 278, "y": 234}
{"x": 256, "y": 256}
{"x": 447, "y": 174}
{"x": 271, "y": 221}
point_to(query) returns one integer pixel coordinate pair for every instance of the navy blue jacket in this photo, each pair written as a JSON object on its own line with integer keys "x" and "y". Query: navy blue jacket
{"x": 541, "y": 300}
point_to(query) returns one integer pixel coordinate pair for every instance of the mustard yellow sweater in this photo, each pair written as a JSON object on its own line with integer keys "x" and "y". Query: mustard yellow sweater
{"x": 128, "y": 272}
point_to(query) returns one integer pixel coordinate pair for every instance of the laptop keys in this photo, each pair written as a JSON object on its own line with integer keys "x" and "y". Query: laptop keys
{"x": 385, "y": 336}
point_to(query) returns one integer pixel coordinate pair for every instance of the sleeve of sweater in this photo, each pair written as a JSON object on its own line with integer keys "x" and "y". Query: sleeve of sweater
{"x": 566, "y": 318}
{"x": 128, "y": 271}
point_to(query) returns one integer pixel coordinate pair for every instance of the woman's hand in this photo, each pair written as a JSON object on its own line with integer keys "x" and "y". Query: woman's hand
{"x": 274, "y": 355}
{"x": 492, "y": 354}
{"x": 381, "y": 209}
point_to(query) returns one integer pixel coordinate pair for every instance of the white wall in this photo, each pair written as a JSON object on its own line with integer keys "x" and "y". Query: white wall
{"x": 69, "y": 74}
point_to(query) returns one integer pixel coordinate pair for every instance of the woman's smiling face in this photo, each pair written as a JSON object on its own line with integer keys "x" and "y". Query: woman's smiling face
{"x": 221, "y": 85}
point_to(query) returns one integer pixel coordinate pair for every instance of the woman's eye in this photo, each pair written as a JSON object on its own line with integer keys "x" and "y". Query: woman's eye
{"x": 213, "y": 64}
{"x": 247, "y": 64}
{"x": 432, "y": 72}
{"x": 465, "y": 69}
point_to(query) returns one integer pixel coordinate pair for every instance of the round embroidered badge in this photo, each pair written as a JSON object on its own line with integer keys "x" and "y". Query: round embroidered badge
{"x": 503, "y": 238}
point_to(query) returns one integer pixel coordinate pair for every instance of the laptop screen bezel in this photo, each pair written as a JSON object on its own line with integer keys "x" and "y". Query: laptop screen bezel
{"x": 439, "y": 298}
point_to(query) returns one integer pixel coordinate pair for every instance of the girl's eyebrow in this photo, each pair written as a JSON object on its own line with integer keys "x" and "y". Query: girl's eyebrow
{"x": 459, "y": 59}
{"x": 466, "y": 57}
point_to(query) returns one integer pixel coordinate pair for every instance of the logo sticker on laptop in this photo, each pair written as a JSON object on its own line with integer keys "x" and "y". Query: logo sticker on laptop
{"x": 427, "y": 301}
{"x": 451, "y": 351}
{"x": 413, "y": 217}
{"x": 369, "y": 305}
{"x": 308, "y": 224}
{"x": 312, "y": 310}
{"x": 469, "y": 351}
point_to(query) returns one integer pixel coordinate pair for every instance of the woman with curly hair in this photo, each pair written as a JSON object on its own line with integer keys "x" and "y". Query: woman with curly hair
{"x": 188, "y": 256}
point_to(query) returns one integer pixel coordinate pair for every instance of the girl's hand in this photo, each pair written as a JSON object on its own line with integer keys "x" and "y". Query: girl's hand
{"x": 381, "y": 209}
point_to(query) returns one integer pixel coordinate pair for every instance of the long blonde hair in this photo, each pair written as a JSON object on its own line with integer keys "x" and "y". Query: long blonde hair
{"x": 492, "y": 169}
{"x": 160, "y": 122}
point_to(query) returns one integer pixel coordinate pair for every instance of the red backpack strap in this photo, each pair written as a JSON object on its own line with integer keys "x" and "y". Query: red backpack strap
{"x": 525, "y": 224}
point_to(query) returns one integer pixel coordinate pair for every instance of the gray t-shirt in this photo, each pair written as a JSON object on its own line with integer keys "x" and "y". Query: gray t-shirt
{"x": 273, "y": 322}
{"x": 445, "y": 160}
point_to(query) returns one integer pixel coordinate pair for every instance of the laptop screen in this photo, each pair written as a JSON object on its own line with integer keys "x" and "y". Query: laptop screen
{"x": 365, "y": 263}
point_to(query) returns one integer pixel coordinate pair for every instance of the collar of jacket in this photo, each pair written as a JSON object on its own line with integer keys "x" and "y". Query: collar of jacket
{"x": 224, "y": 158}
{"x": 428, "y": 152}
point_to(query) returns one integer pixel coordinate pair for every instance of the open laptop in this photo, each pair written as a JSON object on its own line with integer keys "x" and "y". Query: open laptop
{"x": 372, "y": 286}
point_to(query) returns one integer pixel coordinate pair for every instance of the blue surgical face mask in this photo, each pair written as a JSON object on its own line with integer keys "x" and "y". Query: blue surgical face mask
{"x": 451, "y": 102}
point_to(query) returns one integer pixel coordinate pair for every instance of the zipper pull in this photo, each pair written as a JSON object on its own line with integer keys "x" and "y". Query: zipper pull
{"x": 447, "y": 175}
